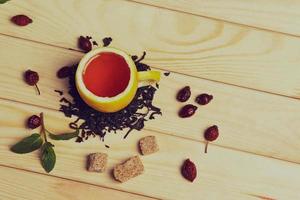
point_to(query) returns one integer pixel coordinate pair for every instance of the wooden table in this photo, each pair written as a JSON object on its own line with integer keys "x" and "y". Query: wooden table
{"x": 245, "y": 53}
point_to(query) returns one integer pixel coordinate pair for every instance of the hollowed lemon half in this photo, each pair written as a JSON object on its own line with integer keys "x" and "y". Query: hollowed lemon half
{"x": 121, "y": 100}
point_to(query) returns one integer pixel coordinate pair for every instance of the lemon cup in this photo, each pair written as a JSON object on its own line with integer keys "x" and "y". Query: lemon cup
{"x": 120, "y": 100}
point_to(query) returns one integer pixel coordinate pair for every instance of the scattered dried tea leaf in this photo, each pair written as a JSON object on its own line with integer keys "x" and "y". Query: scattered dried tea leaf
{"x": 106, "y": 41}
{"x": 63, "y": 72}
{"x": 59, "y": 92}
{"x": 95, "y": 43}
{"x": 167, "y": 73}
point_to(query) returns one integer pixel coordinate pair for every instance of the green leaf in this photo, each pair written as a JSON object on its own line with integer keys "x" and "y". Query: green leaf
{"x": 64, "y": 136}
{"x": 48, "y": 157}
{"x": 28, "y": 144}
{"x": 3, "y": 1}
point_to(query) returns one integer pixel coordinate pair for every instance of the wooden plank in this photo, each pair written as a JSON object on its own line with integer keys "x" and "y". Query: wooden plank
{"x": 23, "y": 185}
{"x": 250, "y": 121}
{"x": 279, "y": 15}
{"x": 174, "y": 41}
{"x": 222, "y": 173}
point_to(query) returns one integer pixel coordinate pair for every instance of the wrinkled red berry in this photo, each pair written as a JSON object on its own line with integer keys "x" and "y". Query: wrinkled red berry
{"x": 31, "y": 77}
{"x": 184, "y": 94}
{"x": 84, "y": 43}
{"x": 64, "y": 72}
{"x": 204, "y": 99}
{"x": 211, "y": 133}
{"x": 21, "y": 20}
{"x": 187, "y": 111}
{"x": 189, "y": 170}
{"x": 33, "y": 122}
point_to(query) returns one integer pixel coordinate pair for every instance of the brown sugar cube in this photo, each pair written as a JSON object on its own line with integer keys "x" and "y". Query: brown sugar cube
{"x": 129, "y": 169}
{"x": 97, "y": 162}
{"x": 148, "y": 145}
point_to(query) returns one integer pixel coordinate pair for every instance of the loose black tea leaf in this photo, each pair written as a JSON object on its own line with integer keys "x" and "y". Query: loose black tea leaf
{"x": 79, "y": 140}
{"x": 63, "y": 72}
{"x": 28, "y": 144}
{"x": 142, "y": 57}
{"x": 59, "y": 92}
{"x": 106, "y": 41}
{"x": 134, "y": 57}
{"x": 95, "y": 43}
{"x": 64, "y": 136}
{"x": 48, "y": 157}
{"x": 91, "y": 122}
{"x": 167, "y": 73}
{"x": 107, "y": 146}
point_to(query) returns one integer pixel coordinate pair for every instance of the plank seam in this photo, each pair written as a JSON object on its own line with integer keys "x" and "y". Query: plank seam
{"x": 169, "y": 134}
{"x": 69, "y": 179}
{"x": 180, "y": 73}
{"x": 215, "y": 19}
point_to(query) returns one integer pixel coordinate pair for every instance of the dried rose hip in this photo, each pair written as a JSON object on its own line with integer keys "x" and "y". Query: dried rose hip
{"x": 203, "y": 99}
{"x": 21, "y": 20}
{"x": 189, "y": 170}
{"x": 32, "y": 78}
{"x": 187, "y": 111}
{"x": 84, "y": 43}
{"x": 184, "y": 94}
{"x": 33, "y": 122}
{"x": 210, "y": 135}
{"x": 64, "y": 72}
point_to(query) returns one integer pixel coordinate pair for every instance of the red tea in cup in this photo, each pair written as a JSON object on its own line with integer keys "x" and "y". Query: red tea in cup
{"x": 106, "y": 74}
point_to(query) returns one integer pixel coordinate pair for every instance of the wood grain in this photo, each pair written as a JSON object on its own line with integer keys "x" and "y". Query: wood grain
{"x": 279, "y": 15}
{"x": 24, "y": 185}
{"x": 220, "y": 172}
{"x": 249, "y": 121}
{"x": 179, "y": 42}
